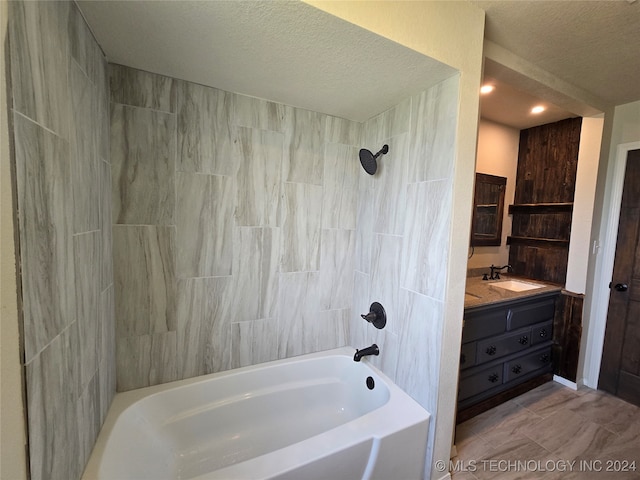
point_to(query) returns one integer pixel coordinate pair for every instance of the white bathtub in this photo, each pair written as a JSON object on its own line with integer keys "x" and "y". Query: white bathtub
{"x": 308, "y": 417}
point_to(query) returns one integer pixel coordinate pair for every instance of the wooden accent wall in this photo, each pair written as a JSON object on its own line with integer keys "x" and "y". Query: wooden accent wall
{"x": 545, "y": 186}
{"x": 567, "y": 332}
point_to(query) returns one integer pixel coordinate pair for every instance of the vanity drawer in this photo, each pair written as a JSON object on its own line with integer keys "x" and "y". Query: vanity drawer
{"x": 526, "y": 364}
{"x": 468, "y": 355}
{"x": 479, "y": 382}
{"x": 484, "y": 324}
{"x": 531, "y": 313}
{"x": 541, "y": 333}
{"x": 493, "y": 348}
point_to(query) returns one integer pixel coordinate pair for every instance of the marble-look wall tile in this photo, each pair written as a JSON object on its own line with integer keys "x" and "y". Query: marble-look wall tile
{"x": 270, "y": 272}
{"x": 259, "y": 177}
{"x": 143, "y": 150}
{"x": 142, "y": 89}
{"x": 301, "y": 227}
{"x": 107, "y": 356}
{"x": 247, "y": 262}
{"x": 302, "y": 326}
{"x": 340, "y": 194}
{"x": 204, "y": 326}
{"x": 144, "y": 278}
{"x": 45, "y": 200}
{"x": 84, "y": 159}
{"x": 255, "y": 273}
{"x": 107, "y": 384}
{"x": 105, "y": 223}
{"x": 83, "y": 47}
{"x": 359, "y": 332}
{"x": 364, "y": 223}
{"x": 262, "y": 114}
{"x": 146, "y": 360}
{"x": 327, "y": 330}
{"x": 60, "y": 82}
{"x": 87, "y": 250}
{"x": 204, "y": 225}
{"x": 53, "y": 392}
{"x": 336, "y": 269}
{"x": 88, "y": 418}
{"x": 434, "y": 116}
{"x": 346, "y": 132}
{"x": 206, "y": 140}
{"x": 389, "y": 346}
{"x": 103, "y": 112}
{"x": 304, "y": 152}
{"x": 426, "y": 239}
{"x": 385, "y": 277}
{"x": 299, "y": 307}
{"x": 39, "y": 62}
{"x": 253, "y": 342}
{"x": 389, "y": 188}
{"x": 391, "y": 123}
{"x": 418, "y": 373}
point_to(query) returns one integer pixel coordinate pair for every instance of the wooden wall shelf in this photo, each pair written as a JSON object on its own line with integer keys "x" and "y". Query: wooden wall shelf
{"x": 538, "y": 242}
{"x": 540, "y": 208}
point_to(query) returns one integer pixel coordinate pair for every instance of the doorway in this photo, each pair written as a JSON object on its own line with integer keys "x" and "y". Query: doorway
{"x": 620, "y": 366}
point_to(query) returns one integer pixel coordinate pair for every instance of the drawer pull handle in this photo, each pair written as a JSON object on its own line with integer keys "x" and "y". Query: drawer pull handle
{"x": 543, "y": 333}
{"x": 516, "y": 369}
{"x": 491, "y": 350}
{"x": 544, "y": 358}
{"x": 523, "y": 340}
{"x": 493, "y": 378}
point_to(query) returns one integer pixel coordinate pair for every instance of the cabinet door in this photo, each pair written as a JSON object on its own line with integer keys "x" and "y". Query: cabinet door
{"x": 493, "y": 348}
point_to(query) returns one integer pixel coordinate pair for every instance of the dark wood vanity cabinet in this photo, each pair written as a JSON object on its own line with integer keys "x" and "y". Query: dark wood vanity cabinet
{"x": 504, "y": 345}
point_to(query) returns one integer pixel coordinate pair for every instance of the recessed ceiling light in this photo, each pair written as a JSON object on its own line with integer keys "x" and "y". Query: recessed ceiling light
{"x": 487, "y": 89}
{"x": 537, "y": 109}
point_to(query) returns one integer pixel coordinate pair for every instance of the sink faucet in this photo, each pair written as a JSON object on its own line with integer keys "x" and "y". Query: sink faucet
{"x": 495, "y": 271}
{"x": 372, "y": 350}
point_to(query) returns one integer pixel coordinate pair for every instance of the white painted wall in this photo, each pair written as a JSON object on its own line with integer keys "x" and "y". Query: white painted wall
{"x": 13, "y": 463}
{"x": 586, "y": 178}
{"x": 622, "y": 126}
{"x": 497, "y": 155}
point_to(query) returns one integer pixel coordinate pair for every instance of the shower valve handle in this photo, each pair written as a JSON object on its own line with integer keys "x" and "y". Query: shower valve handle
{"x": 376, "y": 316}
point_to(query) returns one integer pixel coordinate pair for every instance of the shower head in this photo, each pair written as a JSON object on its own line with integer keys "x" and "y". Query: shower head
{"x": 368, "y": 159}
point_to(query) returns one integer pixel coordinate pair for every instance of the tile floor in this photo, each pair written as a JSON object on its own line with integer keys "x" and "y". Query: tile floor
{"x": 551, "y": 432}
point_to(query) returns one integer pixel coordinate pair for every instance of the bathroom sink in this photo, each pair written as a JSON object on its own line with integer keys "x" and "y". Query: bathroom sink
{"x": 516, "y": 285}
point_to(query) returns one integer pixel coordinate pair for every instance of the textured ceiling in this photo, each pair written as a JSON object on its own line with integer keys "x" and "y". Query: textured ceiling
{"x": 594, "y": 45}
{"x": 284, "y": 51}
{"x": 293, "y": 53}
{"x": 510, "y": 106}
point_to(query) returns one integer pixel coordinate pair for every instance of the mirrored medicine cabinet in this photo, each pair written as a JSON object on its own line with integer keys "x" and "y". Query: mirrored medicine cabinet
{"x": 488, "y": 209}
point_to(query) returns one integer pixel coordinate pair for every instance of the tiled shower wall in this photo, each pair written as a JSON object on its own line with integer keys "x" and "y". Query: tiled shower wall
{"x": 234, "y": 228}
{"x": 63, "y": 178}
{"x": 247, "y": 231}
{"x": 402, "y": 239}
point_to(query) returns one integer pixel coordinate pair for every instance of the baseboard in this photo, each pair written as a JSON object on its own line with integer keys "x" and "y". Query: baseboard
{"x": 565, "y": 382}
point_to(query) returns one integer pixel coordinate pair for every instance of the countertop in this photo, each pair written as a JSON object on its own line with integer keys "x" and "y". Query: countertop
{"x": 482, "y": 292}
